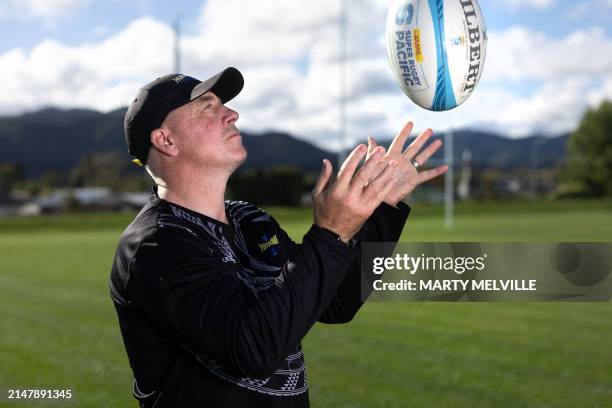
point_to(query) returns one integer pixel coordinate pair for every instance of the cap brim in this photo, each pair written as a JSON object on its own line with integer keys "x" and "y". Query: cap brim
{"x": 226, "y": 85}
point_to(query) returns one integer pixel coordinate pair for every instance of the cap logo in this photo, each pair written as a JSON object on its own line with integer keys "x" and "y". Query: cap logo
{"x": 178, "y": 78}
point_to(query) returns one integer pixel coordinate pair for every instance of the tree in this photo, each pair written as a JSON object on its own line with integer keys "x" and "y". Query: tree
{"x": 10, "y": 174}
{"x": 590, "y": 151}
{"x": 280, "y": 185}
{"x": 50, "y": 180}
{"x": 99, "y": 169}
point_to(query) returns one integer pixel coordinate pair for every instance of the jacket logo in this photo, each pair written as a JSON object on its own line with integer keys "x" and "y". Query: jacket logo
{"x": 269, "y": 243}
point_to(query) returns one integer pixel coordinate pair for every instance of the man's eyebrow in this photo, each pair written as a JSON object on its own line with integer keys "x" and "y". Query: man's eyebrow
{"x": 205, "y": 98}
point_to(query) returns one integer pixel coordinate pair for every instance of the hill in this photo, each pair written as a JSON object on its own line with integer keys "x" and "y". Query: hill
{"x": 56, "y": 139}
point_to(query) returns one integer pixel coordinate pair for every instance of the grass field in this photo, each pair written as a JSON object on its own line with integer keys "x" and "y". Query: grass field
{"x": 59, "y": 328}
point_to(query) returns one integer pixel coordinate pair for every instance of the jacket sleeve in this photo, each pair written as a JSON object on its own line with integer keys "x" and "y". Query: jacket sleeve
{"x": 385, "y": 225}
{"x": 179, "y": 282}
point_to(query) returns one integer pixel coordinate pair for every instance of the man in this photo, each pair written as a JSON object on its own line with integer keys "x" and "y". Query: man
{"x": 213, "y": 298}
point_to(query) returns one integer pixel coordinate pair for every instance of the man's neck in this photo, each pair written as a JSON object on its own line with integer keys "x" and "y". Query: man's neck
{"x": 206, "y": 196}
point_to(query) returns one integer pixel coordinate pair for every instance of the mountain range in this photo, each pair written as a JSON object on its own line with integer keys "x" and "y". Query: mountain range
{"x": 56, "y": 139}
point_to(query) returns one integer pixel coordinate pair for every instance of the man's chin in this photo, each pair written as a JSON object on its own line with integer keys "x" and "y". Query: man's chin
{"x": 239, "y": 159}
{"x": 244, "y": 156}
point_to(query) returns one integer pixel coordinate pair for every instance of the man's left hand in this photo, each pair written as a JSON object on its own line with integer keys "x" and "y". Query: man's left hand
{"x": 408, "y": 176}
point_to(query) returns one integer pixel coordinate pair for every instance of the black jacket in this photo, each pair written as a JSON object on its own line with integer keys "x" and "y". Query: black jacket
{"x": 213, "y": 314}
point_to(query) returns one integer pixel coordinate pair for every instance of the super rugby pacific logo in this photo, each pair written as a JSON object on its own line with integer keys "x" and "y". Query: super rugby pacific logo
{"x": 404, "y": 14}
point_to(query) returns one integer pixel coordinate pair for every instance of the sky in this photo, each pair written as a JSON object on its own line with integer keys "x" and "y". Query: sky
{"x": 547, "y": 61}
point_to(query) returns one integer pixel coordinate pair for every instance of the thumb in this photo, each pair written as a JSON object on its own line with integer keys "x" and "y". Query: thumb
{"x": 324, "y": 177}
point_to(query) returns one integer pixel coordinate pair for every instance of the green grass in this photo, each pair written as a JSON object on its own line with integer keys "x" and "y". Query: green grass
{"x": 586, "y": 221}
{"x": 59, "y": 328}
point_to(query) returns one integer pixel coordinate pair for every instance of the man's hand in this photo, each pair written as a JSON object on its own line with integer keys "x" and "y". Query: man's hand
{"x": 407, "y": 175}
{"x": 343, "y": 206}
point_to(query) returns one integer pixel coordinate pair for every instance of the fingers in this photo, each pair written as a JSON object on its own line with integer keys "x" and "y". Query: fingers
{"x": 350, "y": 165}
{"x": 324, "y": 178}
{"x": 371, "y": 146}
{"x": 415, "y": 146}
{"x": 386, "y": 190}
{"x": 372, "y": 167}
{"x": 428, "y": 152}
{"x": 433, "y": 173}
{"x": 376, "y": 188}
{"x": 400, "y": 139}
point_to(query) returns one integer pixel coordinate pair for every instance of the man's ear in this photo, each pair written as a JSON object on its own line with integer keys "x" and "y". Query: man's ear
{"x": 163, "y": 141}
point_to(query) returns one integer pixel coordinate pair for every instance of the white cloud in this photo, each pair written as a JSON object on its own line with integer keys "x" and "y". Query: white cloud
{"x": 288, "y": 52}
{"x": 47, "y": 10}
{"x": 598, "y": 10}
{"x": 103, "y": 75}
{"x": 598, "y": 94}
{"x": 538, "y": 4}
{"x": 552, "y": 108}
{"x": 519, "y": 54}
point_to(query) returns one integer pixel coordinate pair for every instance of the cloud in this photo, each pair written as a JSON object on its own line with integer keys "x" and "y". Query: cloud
{"x": 519, "y": 54}
{"x": 596, "y": 95}
{"x": 265, "y": 31}
{"x": 538, "y": 4}
{"x": 104, "y": 75}
{"x": 289, "y": 54}
{"x": 591, "y": 10}
{"x": 47, "y": 10}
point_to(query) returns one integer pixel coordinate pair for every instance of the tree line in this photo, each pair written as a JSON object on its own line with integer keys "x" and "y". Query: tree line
{"x": 587, "y": 171}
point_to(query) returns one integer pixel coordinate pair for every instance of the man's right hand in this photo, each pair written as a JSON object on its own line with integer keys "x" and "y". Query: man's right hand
{"x": 344, "y": 205}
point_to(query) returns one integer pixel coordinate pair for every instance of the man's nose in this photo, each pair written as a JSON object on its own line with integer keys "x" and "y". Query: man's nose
{"x": 231, "y": 116}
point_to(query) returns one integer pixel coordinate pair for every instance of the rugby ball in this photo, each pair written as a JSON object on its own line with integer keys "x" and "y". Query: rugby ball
{"x": 436, "y": 49}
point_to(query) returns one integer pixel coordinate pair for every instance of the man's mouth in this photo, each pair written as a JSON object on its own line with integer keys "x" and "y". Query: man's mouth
{"x": 233, "y": 134}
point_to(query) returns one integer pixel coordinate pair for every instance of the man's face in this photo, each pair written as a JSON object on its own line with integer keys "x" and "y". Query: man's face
{"x": 205, "y": 133}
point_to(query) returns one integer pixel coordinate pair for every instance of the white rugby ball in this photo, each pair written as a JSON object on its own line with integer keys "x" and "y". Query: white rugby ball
{"x": 436, "y": 49}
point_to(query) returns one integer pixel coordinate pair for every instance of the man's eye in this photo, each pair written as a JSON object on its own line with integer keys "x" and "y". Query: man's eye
{"x": 209, "y": 106}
